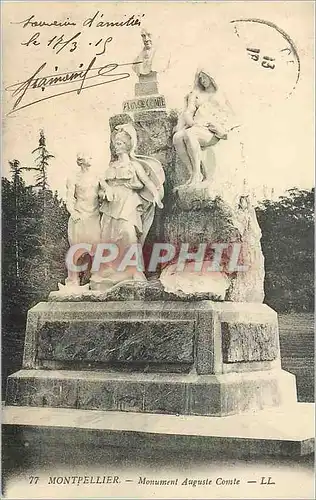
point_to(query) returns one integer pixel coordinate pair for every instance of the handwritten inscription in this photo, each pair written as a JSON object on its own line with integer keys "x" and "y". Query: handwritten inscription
{"x": 88, "y": 75}
{"x": 59, "y": 43}
{"x": 31, "y": 21}
{"x": 106, "y": 73}
{"x": 97, "y": 20}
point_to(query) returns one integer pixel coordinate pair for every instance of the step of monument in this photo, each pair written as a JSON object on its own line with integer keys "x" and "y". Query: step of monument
{"x": 165, "y": 393}
{"x": 285, "y": 431}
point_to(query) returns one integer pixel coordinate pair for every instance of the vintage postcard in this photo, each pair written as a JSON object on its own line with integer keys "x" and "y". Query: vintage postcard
{"x": 158, "y": 249}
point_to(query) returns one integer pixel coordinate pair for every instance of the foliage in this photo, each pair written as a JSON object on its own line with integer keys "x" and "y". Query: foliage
{"x": 32, "y": 259}
{"x": 288, "y": 246}
{"x": 41, "y": 162}
{"x": 34, "y": 236}
{"x": 19, "y": 234}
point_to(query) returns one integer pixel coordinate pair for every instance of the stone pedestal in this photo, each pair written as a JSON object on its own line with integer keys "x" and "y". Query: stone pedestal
{"x": 200, "y": 358}
{"x": 147, "y": 97}
{"x": 147, "y": 84}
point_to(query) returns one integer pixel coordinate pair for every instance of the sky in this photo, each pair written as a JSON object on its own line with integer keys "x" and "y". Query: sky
{"x": 278, "y": 129}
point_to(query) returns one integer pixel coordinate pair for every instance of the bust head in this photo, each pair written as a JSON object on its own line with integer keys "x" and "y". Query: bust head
{"x": 84, "y": 160}
{"x": 147, "y": 39}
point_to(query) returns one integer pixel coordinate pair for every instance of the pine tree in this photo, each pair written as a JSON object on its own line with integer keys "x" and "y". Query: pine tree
{"x": 20, "y": 227}
{"x": 48, "y": 266}
{"x": 41, "y": 178}
{"x": 15, "y": 168}
{"x": 41, "y": 162}
{"x": 8, "y": 244}
{"x": 34, "y": 245}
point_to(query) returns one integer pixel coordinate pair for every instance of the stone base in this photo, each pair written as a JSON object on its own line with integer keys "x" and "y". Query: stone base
{"x": 285, "y": 431}
{"x": 197, "y": 358}
{"x": 182, "y": 394}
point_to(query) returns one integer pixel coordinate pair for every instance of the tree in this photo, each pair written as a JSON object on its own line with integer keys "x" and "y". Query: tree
{"x": 288, "y": 242}
{"x": 19, "y": 241}
{"x": 34, "y": 245}
{"x": 18, "y": 188}
{"x": 48, "y": 266}
{"x": 35, "y": 235}
{"x": 41, "y": 162}
{"x": 41, "y": 178}
{"x": 15, "y": 168}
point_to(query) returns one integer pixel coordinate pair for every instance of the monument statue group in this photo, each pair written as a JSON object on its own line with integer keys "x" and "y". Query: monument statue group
{"x": 189, "y": 339}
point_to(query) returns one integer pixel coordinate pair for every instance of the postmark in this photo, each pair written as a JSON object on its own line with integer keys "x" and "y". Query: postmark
{"x": 271, "y": 49}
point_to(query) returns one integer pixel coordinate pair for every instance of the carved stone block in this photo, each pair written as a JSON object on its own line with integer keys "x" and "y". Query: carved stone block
{"x": 112, "y": 341}
{"x": 36, "y": 391}
{"x": 96, "y": 396}
{"x": 130, "y": 396}
{"x": 249, "y": 342}
{"x": 165, "y": 398}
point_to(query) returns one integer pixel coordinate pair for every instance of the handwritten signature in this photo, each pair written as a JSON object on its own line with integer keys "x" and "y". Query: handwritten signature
{"x": 107, "y": 73}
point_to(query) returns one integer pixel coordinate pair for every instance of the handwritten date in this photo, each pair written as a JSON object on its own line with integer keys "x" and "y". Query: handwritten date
{"x": 59, "y": 43}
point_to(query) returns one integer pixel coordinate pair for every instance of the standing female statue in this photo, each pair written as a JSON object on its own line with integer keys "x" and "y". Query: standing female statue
{"x": 83, "y": 206}
{"x": 132, "y": 187}
{"x": 206, "y": 119}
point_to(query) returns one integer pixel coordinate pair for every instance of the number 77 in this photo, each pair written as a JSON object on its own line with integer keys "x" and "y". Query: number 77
{"x": 33, "y": 479}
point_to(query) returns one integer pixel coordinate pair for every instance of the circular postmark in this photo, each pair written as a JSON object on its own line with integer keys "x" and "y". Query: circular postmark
{"x": 271, "y": 51}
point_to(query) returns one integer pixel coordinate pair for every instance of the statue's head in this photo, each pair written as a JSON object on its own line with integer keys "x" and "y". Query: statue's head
{"x": 124, "y": 139}
{"x": 84, "y": 160}
{"x": 244, "y": 202}
{"x": 205, "y": 81}
{"x": 121, "y": 142}
{"x": 147, "y": 39}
